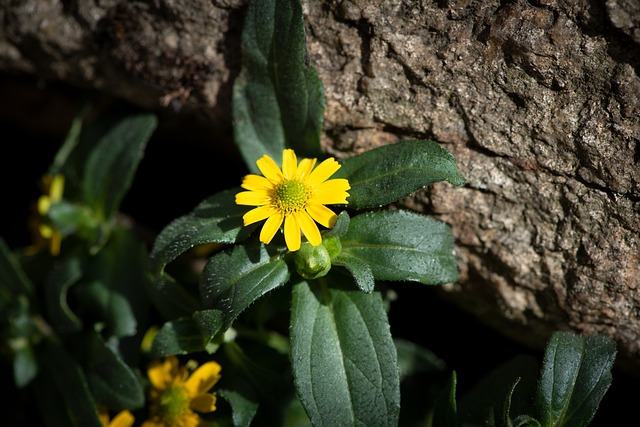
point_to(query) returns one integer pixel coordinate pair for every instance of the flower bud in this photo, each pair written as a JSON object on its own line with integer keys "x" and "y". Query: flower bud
{"x": 312, "y": 262}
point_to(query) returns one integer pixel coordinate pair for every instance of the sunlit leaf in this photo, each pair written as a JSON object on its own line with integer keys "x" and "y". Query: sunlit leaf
{"x": 118, "y": 146}
{"x": 233, "y": 279}
{"x": 278, "y": 98}
{"x": 400, "y": 245}
{"x": 388, "y": 173}
{"x": 215, "y": 220}
{"x": 343, "y": 357}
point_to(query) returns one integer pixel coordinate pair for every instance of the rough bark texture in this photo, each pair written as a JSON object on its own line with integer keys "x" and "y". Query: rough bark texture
{"x": 538, "y": 100}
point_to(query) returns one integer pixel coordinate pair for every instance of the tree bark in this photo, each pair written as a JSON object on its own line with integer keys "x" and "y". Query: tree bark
{"x": 538, "y": 100}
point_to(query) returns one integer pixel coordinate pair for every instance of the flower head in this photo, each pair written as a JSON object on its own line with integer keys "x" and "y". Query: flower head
{"x": 296, "y": 195}
{"x": 44, "y": 232}
{"x": 175, "y": 394}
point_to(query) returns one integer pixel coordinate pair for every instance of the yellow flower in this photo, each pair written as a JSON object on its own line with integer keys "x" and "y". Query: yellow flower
{"x": 53, "y": 187}
{"x": 123, "y": 419}
{"x": 175, "y": 395}
{"x": 295, "y": 195}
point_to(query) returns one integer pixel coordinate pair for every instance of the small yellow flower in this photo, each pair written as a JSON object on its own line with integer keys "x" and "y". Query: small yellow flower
{"x": 175, "y": 395}
{"x": 295, "y": 195}
{"x": 123, "y": 419}
{"x": 147, "y": 340}
{"x": 44, "y": 233}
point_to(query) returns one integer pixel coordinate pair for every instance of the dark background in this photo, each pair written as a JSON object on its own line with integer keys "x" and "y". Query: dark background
{"x": 186, "y": 161}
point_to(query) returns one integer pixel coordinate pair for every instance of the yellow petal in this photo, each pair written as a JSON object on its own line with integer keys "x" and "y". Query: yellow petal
{"x": 256, "y": 182}
{"x": 324, "y": 171}
{"x": 289, "y": 163}
{"x": 123, "y": 419}
{"x": 322, "y": 214}
{"x": 292, "y": 233}
{"x": 56, "y": 188}
{"x": 270, "y": 227}
{"x": 45, "y": 231}
{"x": 161, "y": 373}
{"x": 270, "y": 169}
{"x": 258, "y": 214}
{"x": 204, "y": 403}
{"x": 147, "y": 339}
{"x": 305, "y": 167}
{"x": 252, "y": 198}
{"x": 203, "y": 378}
{"x": 103, "y": 415}
{"x": 309, "y": 228}
{"x": 44, "y": 203}
{"x": 191, "y": 420}
{"x": 55, "y": 244}
{"x": 157, "y": 375}
{"x": 333, "y": 191}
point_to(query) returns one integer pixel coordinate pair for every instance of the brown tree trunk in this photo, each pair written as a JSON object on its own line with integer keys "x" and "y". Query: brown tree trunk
{"x": 538, "y": 100}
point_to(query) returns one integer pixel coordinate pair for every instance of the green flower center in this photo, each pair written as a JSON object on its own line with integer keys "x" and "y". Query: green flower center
{"x": 174, "y": 404}
{"x": 291, "y": 196}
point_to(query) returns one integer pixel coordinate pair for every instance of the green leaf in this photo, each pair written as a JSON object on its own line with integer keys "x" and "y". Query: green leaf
{"x": 12, "y": 276}
{"x": 187, "y": 334}
{"x": 253, "y": 368}
{"x": 445, "y": 413}
{"x": 25, "y": 366}
{"x": 525, "y": 421}
{"x": 64, "y": 274}
{"x": 66, "y": 385}
{"x": 576, "y": 373}
{"x": 478, "y": 404}
{"x": 340, "y": 227}
{"x": 49, "y": 401}
{"x": 71, "y": 140}
{"x": 234, "y": 278}
{"x": 295, "y": 415}
{"x": 343, "y": 357}
{"x": 502, "y": 410}
{"x": 359, "y": 269}
{"x": 119, "y": 143}
{"x": 243, "y": 410}
{"x": 391, "y": 172}
{"x": 422, "y": 376}
{"x": 217, "y": 219}
{"x": 20, "y": 330}
{"x": 210, "y": 323}
{"x": 71, "y": 218}
{"x": 113, "y": 285}
{"x": 413, "y": 359}
{"x": 400, "y": 245}
{"x": 170, "y": 298}
{"x": 112, "y": 382}
{"x": 278, "y": 98}
{"x": 179, "y": 336}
